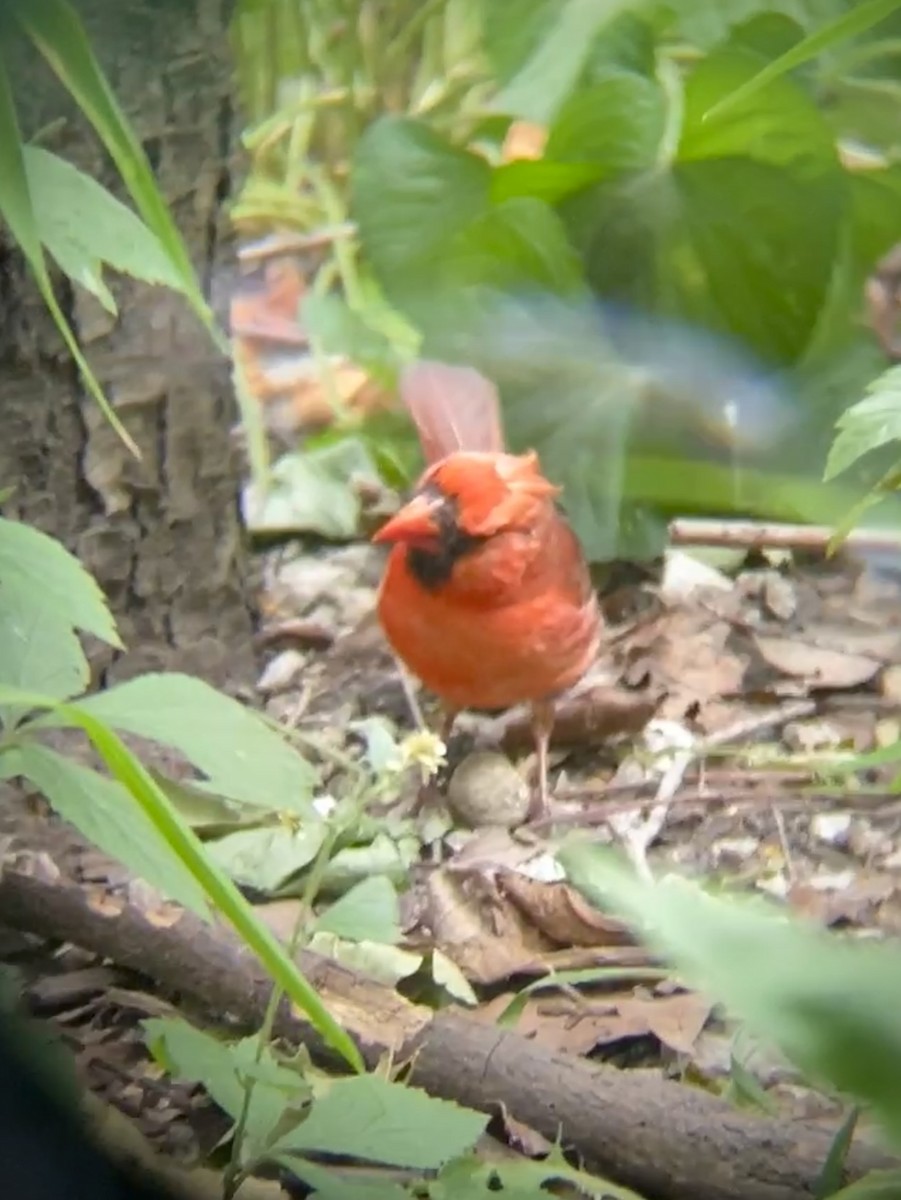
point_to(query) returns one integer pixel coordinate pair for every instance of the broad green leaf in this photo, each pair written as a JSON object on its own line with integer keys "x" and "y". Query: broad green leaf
{"x": 542, "y": 179}
{"x": 369, "y": 912}
{"x": 102, "y": 810}
{"x": 513, "y": 30}
{"x": 552, "y": 71}
{"x": 45, "y": 595}
{"x": 696, "y": 241}
{"x": 225, "y": 1069}
{"x": 872, "y": 422}
{"x": 17, "y": 211}
{"x": 32, "y": 564}
{"x": 374, "y": 960}
{"x": 617, "y": 123}
{"x": 241, "y": 757}
{"x": 56, "y": 30}
{"x": 269, "y": 856}
{"x": 38, "y": 650}
{"x": 877, "y": 1185}
{"x": 219, "y": 889}
{"x": 470, "y": 1177}
{"x": 83, "y": 227}
{"x": 312, "y": 491}
{"x": 829, "y": 1004}
{"x": 411, "y": 192}
{"x": 858, "y": 19}
{"x": 520, "y": 243}
{"x": 371, "y": 1119}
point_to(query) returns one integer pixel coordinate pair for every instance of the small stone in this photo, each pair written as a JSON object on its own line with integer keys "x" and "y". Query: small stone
{"x": 779, "y": 596}
{"x": 282, "y": 672}
{"x": 807, "y": 737}
{"x": 486, "y": 789}
{"x": 831, "y": 827}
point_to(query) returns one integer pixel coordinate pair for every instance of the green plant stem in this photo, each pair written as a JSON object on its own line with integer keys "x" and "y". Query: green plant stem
{"x": 235, "y": 1173}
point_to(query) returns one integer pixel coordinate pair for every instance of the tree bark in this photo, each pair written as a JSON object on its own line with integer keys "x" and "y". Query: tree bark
{"x": 163, "y": 535}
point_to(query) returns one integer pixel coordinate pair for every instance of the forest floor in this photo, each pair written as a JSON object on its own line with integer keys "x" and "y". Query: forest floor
{"x": 712, "y": 739}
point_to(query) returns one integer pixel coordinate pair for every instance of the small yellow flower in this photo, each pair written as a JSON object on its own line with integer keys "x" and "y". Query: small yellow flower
{"x": 422, "y": 749}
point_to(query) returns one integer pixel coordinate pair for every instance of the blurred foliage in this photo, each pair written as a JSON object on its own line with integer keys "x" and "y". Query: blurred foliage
{"x": 670, "y": 295}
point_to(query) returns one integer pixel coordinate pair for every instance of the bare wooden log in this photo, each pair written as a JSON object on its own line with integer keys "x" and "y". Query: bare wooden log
{"x": 666, "y": 1140}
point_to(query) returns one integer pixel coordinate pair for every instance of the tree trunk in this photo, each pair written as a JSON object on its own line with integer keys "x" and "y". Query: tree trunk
{"x": 163, "y": 535}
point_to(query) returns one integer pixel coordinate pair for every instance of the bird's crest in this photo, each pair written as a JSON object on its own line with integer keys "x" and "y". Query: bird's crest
{"x": 453, "y": 408}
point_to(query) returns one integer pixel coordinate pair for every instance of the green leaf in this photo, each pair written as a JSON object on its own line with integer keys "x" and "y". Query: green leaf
{"x": 268, "y": 857}
{"x": 876, "y": 1185}
{"x": 372, "y": 1119}
{"x": 312, "y": 491}
{"x": 125, "y": 767}
{"x": 17, "y": 211}
{"x": 225, "y": 1069}
{"x": 240, "y": 755}
{"x": 828, "y": 1004}
{"x": 618, "y": 123}
{"x": 695, "y": 240}
{"x": 45, "y": 595}
{"x": 57, "y": 32}
{"x": 37, "y": 649}
{"x": 552, "y": 71}
{"x": 518, "y": 243}
{"x": 33, "y": 564}
{"x": 343, "y": 330}
{"x": 103, "y": 811}
{"x": 829, "y": 1180}
{"x": 83, "y": 226}
{"x": 369, "y": 912}
{"x": 857, "y": 20}
{"x": 872, "y": 422}
{"x": 411, "y": 192}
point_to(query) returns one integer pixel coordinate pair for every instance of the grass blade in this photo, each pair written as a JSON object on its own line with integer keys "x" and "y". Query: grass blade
{"x": 851, "y": 23}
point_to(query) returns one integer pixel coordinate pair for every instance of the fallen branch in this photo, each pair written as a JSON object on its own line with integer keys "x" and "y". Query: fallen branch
{"x": 666, "y": 1140}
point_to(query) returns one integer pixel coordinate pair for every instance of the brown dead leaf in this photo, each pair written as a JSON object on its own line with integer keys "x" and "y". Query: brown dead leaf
{"x": 677, "y": 1021}
{"x": 685, "y": 653}
{"x": 819, "y": 666}
{"x": 859, "y": 903}
{"x": 570, "y": 1023}
{"x": 561, "y": 913}
{"x": 485, "y": 935}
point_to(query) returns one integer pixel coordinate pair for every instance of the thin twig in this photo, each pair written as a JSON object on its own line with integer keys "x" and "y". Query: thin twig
{"x": 754, "y": 535}
{"x": 276, "y": 244}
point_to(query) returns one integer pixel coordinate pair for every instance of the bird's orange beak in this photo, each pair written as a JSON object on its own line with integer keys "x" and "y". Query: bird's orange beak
{"x": 414, "y": 524}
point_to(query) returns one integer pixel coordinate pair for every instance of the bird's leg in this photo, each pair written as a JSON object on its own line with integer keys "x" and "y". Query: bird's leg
{"x": 429, "y": 790}
{"x": 448, "y": 716}
{"x": 542, "y": 726}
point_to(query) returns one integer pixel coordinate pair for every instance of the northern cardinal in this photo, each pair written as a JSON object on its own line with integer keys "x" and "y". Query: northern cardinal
{"x": 486, "y": 596}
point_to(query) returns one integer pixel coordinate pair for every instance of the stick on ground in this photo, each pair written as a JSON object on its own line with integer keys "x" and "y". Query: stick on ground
{"x": 666, "y": 1140}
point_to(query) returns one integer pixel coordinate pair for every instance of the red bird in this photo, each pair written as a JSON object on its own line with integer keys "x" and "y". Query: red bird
{"x": 486, "y": 596}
